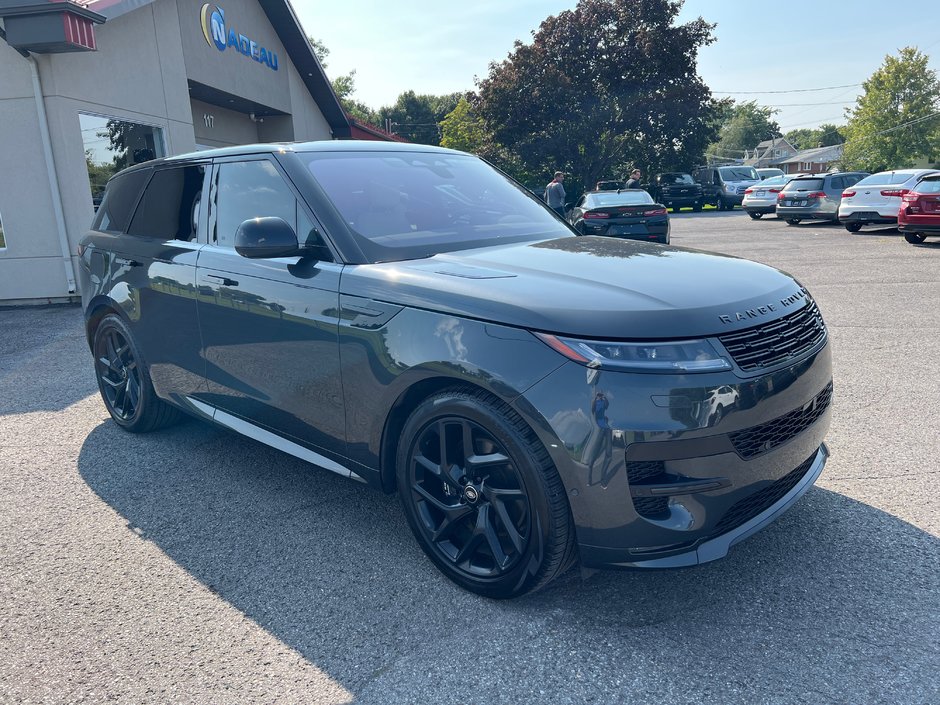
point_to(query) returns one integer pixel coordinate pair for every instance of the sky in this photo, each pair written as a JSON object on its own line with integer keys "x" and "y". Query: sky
{"x": 441, "y": 46}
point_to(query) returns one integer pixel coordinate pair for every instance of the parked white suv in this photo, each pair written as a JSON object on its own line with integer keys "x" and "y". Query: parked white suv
{"x": 876, "y": 199}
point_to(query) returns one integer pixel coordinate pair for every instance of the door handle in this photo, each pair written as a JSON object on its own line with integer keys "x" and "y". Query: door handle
{"x": 127, "y": 262}
{"x": 225, "y": 281}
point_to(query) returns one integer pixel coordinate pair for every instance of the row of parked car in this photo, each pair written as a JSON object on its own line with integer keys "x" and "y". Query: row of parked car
{"x": 907, "y": 198}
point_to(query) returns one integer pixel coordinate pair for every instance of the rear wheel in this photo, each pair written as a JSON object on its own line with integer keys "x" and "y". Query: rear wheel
{"x": 482, "y": 495}
{"x": 124, "y": 381}
{"x": 853, "y": 227}
{"x": 697, "y": 207}
{"x": 755, "y": 216}
{"x": 793, "y": 221}
{"x": 915, "y": 238}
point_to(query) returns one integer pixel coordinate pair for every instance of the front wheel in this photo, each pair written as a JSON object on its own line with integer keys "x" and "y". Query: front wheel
{"x": 697, "y": 207}
{"x": 755, "y": 216}
{"x": 676, "y": 209}
{"x": 915, "y": 238}
{"x": 853, "y": 227}
{"x": 124, "y": 382}
{"x": 793, "y": 221}
{"x": 482, "y": 496}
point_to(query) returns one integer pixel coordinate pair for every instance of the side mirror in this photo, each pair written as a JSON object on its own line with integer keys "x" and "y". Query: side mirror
{"x": 258, "y": 238}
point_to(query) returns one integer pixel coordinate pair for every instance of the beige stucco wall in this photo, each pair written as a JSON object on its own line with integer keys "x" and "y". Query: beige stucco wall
{"x": 139, "y": 73}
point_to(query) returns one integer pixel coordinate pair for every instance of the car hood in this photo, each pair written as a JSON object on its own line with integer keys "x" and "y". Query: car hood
{"x": 592, "y": 287}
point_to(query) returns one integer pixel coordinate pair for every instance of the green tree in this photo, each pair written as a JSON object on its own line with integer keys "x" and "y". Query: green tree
{"x": 417, "y": 117}
{"x": 748, "y": 125}
{"x": 463, "y": 129}
{"x": 897, "y": 118}
{"x": 607, "y": 85}
{"x": 825, "y": 135}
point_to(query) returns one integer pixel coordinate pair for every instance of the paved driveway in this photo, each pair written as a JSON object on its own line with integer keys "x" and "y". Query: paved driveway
{"x": 192, "y": 565}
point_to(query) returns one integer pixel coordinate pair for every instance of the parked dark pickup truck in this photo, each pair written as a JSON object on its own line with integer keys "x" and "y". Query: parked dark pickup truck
{"x": 676, "y": 189}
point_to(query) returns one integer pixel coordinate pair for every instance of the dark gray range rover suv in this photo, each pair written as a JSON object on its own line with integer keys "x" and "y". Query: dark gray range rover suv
{"x": 410, "y": 318}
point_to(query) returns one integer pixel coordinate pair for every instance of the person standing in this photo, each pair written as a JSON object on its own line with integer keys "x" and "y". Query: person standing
{"x": 634, "y": 180}
{"x": 555, "y": 194}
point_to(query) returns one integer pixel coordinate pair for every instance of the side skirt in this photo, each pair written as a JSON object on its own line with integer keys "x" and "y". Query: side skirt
{"x": 270, "y": 439}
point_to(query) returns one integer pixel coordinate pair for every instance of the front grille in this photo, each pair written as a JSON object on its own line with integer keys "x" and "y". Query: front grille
{"x": 753, "y": 441}
{"x": 779, "y": 341}
{"x": 746, "y": 509}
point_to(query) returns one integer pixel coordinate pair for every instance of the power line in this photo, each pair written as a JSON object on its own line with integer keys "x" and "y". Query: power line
{"x": 793, "y": 90}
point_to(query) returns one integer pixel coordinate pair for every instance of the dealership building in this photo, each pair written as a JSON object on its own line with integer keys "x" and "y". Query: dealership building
{"x": 89, "y": 88}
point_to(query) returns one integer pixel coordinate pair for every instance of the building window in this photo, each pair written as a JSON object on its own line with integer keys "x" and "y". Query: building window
{"x": 112, "y": 144}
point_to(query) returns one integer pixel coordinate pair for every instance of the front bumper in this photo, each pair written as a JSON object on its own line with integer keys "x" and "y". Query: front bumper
{"x": 656, "y": 472}
{"x": 684, "y": 200}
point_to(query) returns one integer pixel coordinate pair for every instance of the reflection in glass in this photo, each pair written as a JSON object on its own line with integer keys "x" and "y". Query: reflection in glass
{"x": 3, "y": 242}
{"x": 111, "y": 144}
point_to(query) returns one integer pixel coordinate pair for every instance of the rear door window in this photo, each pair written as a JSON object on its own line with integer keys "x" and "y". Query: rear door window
{"x": 169, "y": 209}
{"x": 120, "y": 197}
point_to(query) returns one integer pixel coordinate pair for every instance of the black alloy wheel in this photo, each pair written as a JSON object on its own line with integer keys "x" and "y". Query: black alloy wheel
{"x": 123, "y": 380}
{"x": 853, "y": 227}
{"x": 482, "y": 496}
{"x": 755, "y": 216}
{"x": 915, "y": 238}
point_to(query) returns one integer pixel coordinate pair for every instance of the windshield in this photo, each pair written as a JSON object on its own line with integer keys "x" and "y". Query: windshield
{"x": 407, "y": 205}
{"x": 624, "y": 198}
{"x": 676, "y": 179}
{"x": 886, "y": 178}
{"x": 738, "y": 173}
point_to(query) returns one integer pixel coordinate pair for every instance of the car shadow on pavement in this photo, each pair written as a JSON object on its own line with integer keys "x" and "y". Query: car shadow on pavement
{"x": 37, "y": 359}
{"x": 835, "y": 602}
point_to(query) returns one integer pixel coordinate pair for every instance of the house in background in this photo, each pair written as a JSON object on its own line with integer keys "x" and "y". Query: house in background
{"x": 768, "y": 152}
{"x": 811, "y": 161}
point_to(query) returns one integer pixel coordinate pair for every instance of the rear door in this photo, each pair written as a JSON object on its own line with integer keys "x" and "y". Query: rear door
{"x": 154, "y": 274}
{"x": 270, "y": 326}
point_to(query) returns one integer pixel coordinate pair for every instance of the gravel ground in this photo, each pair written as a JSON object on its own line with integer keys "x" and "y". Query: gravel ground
{"x": 192, "y": 565}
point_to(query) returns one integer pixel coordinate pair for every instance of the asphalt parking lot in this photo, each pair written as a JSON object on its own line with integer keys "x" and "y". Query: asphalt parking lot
{"x": 192, "y": 565}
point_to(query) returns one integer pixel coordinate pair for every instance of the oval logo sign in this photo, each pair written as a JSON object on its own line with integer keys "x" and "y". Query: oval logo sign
{"x": 213, "y": 29}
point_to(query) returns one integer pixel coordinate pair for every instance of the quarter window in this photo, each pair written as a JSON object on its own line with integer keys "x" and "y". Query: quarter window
{"x": 253, "y": 189}
{"x": 115, "y": 210}
{"x": 169, "y": 209}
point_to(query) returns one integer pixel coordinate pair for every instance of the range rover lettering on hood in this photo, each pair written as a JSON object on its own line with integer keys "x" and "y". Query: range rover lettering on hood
{"x": 763, "y": 310}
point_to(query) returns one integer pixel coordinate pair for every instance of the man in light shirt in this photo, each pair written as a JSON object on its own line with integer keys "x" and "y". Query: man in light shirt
{"x": 555, "y": 194}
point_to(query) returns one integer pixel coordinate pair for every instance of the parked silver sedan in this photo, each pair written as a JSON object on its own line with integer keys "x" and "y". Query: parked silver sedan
{"x": 761, "y": 198}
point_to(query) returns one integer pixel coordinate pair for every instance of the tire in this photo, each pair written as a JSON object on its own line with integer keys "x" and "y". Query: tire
{"x": 722, "y": 206}
{"x": 853, "y": 227}
{"x": 676, "y": 209}
{"x": 499, "y": 527}
{"x": 915, "y": 238}
{"x": 793, "y": 221}
{"x": 697, "y": 207}
{"x": 124, "y": 382}
{"x": 755, "y": 216}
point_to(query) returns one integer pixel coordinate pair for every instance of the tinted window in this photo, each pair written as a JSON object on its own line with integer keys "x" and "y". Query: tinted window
{"x": 253, "y": 189}
{"x": 851, "y": 179}
{"x": 626, "y": 198}
{"x": 119, "y": 201}
{"x": 170, "y": 205}
{"x": 804, "y": 185}
{"x": 739, "y": 173}
{"x": 837, "y": 183}
{"x": 403, "y": 205}
{"x": 886, "y": 178}
{"x": 928, "y": 186}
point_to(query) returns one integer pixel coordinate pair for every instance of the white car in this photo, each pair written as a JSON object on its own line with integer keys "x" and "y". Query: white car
{"x": 762, "y": 198}
{"x": 876, "y": 199}
{"x": 769, "y": 172}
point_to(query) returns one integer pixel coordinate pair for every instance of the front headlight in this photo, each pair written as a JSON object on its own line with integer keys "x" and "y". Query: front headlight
{"x": 672, "y": 356}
